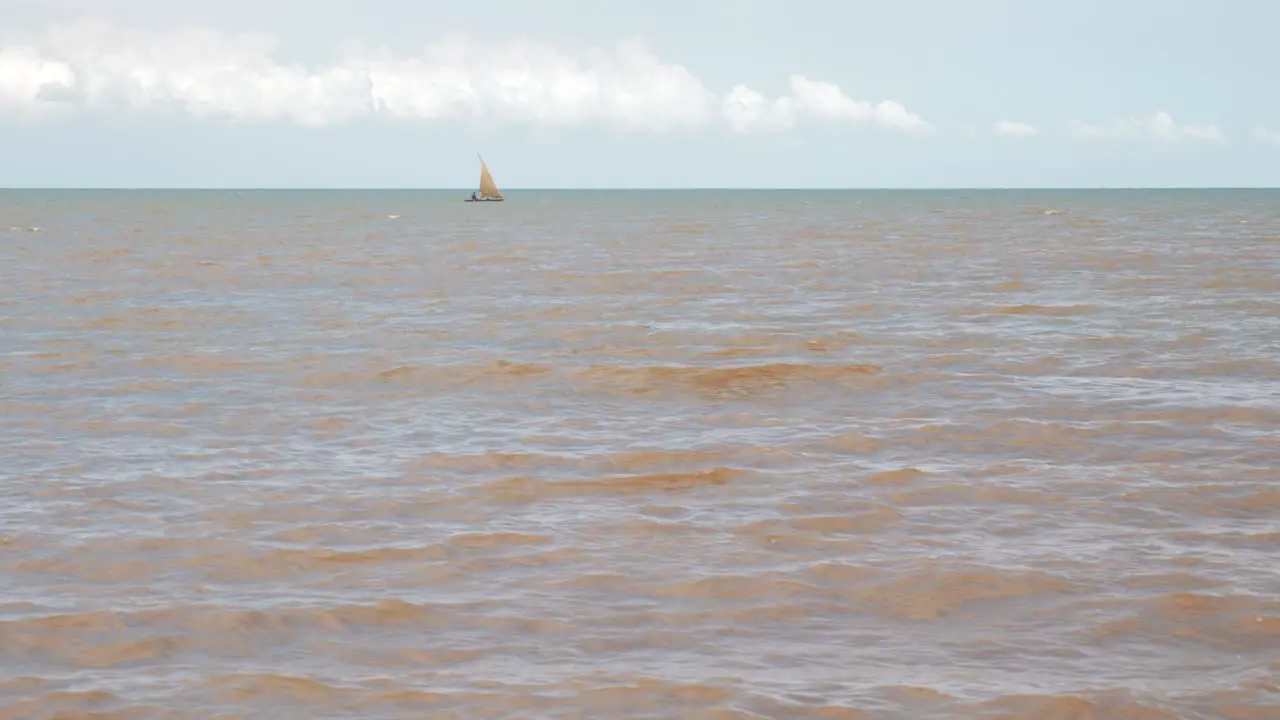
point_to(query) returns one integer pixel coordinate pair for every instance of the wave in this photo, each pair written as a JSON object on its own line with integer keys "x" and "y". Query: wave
{"x": 708, "y": 382}
{"x": 1031, "y": 309}
{"x": 525, "y": 489}
{"x": 723, "y": 382}
{"x": 935, "y": 592}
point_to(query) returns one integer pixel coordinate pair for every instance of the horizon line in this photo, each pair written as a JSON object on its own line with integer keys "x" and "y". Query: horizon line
{"x": 339, "y": 188}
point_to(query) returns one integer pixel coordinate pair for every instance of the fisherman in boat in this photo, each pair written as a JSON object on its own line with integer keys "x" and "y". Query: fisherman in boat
{"x": 475, "y": 195}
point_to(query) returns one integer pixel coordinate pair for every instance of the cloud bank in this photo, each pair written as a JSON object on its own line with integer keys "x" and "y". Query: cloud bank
{"x": 1159, "y": 126}
{"x": 100, "y": 67}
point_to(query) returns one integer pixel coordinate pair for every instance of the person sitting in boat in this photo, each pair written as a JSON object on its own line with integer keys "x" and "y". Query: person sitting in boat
{"x": 475, "y": 195}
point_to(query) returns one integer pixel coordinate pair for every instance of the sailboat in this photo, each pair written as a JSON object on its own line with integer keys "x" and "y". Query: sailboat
{"x": 488, "y": 190}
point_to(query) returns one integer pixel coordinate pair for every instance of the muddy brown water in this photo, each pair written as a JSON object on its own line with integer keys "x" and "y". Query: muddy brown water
{"x": 640, "y": 455}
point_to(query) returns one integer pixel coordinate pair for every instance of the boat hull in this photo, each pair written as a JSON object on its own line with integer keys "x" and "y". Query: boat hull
{"x": 483, "y": 200}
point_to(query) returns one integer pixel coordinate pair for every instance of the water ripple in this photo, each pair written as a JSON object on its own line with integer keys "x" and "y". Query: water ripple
{"x": 931, "y": 455}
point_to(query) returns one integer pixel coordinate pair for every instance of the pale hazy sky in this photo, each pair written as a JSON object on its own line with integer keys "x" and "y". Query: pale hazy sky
{"x": 666, "y": 93}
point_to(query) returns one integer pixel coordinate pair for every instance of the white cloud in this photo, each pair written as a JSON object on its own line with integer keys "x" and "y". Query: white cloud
{"x": 100, "y": 67}
{"x": 93, "y": 66}
{"x": 747, "y": 111}
{"x": 1261, "y": 134}
{"x": 1159, "y": 126}
{"x": 27, "y": 78}
{"x": 1015, "y": 129}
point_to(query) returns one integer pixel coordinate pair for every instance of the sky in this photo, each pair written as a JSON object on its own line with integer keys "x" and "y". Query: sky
{"x": 665, "y": 93}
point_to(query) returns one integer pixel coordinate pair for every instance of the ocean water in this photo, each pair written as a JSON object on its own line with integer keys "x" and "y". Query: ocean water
{"x": 702, "y": 455}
